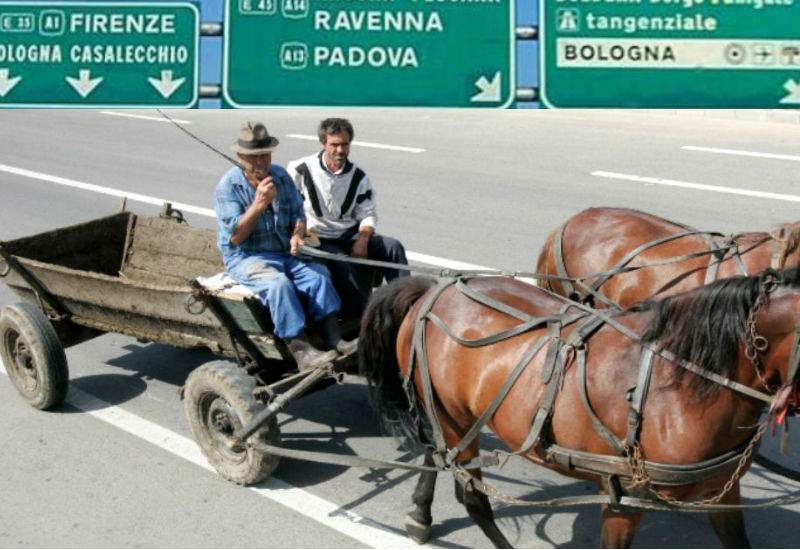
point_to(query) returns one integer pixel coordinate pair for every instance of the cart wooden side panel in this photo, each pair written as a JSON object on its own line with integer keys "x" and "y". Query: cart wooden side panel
{"x": 131, "y": 275}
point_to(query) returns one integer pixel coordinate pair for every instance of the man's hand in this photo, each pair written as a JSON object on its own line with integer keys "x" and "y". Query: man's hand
{"x": 265, "y": 194}
{"x": 295, "y": 242}
{"x": 298, "y": 237}
{"x": 359, "y": 249}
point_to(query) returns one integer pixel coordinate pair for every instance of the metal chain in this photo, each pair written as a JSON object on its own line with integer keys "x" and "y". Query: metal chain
{"x": 754, "y": 343}
{"x": 640, "y": 477}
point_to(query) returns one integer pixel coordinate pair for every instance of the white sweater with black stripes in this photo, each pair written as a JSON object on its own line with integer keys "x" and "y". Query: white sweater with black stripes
{"x": 324, "y": 200}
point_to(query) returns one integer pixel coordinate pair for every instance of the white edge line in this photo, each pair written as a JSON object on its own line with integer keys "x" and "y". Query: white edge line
{"x": 365, "y": 144}
{"x": 699, "y": 186}
{"x": 104, "y": 190}
{"x": 144, "y": 117}
{"x": 740, "y": 153}
{"x": 318, "y": 509}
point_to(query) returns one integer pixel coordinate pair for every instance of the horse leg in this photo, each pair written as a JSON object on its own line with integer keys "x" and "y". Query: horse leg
{"x": 729, "y": 526}
{"x": 418, "y": 521}
{"x": 619, "y": 527}
{"x": 479, "y": 509}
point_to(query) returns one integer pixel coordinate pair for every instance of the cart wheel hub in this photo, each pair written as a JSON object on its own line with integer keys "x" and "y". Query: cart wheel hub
{"x": 24, "y": 365}
{"x": 222, "y": 423}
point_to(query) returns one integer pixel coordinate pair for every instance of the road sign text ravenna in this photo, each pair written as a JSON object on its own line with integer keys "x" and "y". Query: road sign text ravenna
{"x": 369, "y": 52}
{"x": 670, "y": 53}
{"x": 92, "y": 54}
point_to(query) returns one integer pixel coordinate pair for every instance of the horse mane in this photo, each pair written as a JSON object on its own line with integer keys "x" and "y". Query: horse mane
{"x": 706, "y": 325}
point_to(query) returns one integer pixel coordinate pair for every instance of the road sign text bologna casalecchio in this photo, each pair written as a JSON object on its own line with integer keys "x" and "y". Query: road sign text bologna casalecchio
{"x": 91, "y": 54}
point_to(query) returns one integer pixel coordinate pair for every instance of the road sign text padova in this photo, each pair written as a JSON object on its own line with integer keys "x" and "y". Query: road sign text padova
{"x": 670, "y": 53}
{"x": 369, "y": 52}
{"x": 98, "y": 54}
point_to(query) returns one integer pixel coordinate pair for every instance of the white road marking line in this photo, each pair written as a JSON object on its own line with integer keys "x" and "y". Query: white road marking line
{"x": 698, "y": 186}
{"x": 103, "y": 190}
{"x": 740, "y": 153}
{"x": 414, "y": 256}
{"x": 365, "y": 144}
{"x": 320, "y": 510}
{"x": 144, "y": 117}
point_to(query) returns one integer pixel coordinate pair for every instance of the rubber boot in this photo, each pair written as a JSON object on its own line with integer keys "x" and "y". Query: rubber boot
{"x": 307, "y": 356}
{"x": 329, "y": 328}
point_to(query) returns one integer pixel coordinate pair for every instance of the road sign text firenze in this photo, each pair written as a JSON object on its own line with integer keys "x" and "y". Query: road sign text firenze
{"x": 99, "y": 53}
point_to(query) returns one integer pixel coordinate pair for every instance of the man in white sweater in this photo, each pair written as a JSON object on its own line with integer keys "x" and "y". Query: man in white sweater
{"x": 339, "y": 205}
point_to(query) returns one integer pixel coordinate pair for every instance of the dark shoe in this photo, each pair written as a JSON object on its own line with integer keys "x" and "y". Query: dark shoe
{"x": 307, "y": 356}
{"x": 329, "y": 329}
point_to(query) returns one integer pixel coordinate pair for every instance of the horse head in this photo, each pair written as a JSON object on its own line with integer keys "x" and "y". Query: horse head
{"x": 771, "y": 336}
{"x": 741, "y": 328}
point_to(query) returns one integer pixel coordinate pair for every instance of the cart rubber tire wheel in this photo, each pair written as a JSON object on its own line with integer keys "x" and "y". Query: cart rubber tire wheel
{"x": 33, "y": 356}
{"x": 218, "y": 399}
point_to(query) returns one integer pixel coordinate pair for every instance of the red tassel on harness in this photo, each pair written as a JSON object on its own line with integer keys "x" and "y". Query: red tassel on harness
{"x": 784, "y": 403}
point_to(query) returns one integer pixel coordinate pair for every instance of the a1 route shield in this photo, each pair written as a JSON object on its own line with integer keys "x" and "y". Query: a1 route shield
{"x": 670, "y": 53}
{"x": 98, "y": 54}
{"x": 457, "y": 53}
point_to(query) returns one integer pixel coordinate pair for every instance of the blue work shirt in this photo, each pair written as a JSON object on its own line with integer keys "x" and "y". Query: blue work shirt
{"x": 272, "y": 232}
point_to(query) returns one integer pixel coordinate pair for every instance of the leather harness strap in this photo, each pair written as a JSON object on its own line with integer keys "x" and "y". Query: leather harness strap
{"x": 631, "y": 255}
{"x": 561, "y": 267}
{"x": 639, "y": 396}
{"x": 552, "y": 374}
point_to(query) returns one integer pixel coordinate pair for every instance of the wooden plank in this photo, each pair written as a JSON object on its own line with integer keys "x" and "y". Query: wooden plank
{"x": 92, "y": 246}
{"x": 164, "y": 250}
{"x": 153, "y": 266}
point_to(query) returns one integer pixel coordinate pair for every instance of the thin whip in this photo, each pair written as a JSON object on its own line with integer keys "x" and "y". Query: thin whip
{"x": 194, "y": 137}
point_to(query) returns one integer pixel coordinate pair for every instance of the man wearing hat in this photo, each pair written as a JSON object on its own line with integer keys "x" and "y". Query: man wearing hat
{"x": 260, "y": 226}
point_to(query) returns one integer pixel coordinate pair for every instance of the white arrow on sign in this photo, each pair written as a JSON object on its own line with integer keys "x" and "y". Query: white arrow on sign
{"x": 6, "y": 84}
{"x": 84, "y": 84}
{"x": 166, "y": 86}
{"x": 489, "y": 91}
{"x": 794, "y": 92}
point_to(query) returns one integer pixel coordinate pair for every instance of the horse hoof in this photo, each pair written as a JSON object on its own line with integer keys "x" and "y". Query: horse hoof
{"x": 418, "y": 532}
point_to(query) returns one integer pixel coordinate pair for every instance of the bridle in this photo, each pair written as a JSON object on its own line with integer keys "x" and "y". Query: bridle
{"x": 755, "y": 344}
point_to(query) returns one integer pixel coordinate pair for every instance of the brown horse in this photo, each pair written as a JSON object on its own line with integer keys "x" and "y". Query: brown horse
{"x": 688, "y": 419}
{"x": 597, "y": 239}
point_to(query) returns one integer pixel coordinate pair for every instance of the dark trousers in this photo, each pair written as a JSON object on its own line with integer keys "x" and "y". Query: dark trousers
{"x": 354, "y": 282}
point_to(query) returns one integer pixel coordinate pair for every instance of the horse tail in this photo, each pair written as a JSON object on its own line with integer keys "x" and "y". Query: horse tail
{"x": 377, "y": 356}
{"x": 544, "y": 258}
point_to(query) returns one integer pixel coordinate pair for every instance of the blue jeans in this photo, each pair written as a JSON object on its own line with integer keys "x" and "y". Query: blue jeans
{"x": 278, "y": 278}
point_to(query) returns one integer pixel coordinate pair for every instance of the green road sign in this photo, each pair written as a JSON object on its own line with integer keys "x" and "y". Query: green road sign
{"x": 369, "y": 52}
{"x": 98, "y": 54}
{"x": 670, "y": 53}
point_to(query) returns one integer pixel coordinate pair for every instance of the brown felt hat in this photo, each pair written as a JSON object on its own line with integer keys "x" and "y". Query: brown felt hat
{"x": 254, "y": 139}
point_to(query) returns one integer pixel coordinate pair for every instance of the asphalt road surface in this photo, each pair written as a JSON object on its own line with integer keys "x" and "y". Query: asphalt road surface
{"x": 116, "y": 465}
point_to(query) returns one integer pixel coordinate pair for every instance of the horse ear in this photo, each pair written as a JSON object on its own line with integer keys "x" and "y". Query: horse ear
{"x": 779, "y": 232}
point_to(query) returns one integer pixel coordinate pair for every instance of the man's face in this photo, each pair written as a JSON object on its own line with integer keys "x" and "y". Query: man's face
{"x": 257, "y": 164}
{"x": 337, "y": 147}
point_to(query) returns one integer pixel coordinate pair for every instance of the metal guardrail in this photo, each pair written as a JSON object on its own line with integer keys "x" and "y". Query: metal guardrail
{"x": 522, "y": 94}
